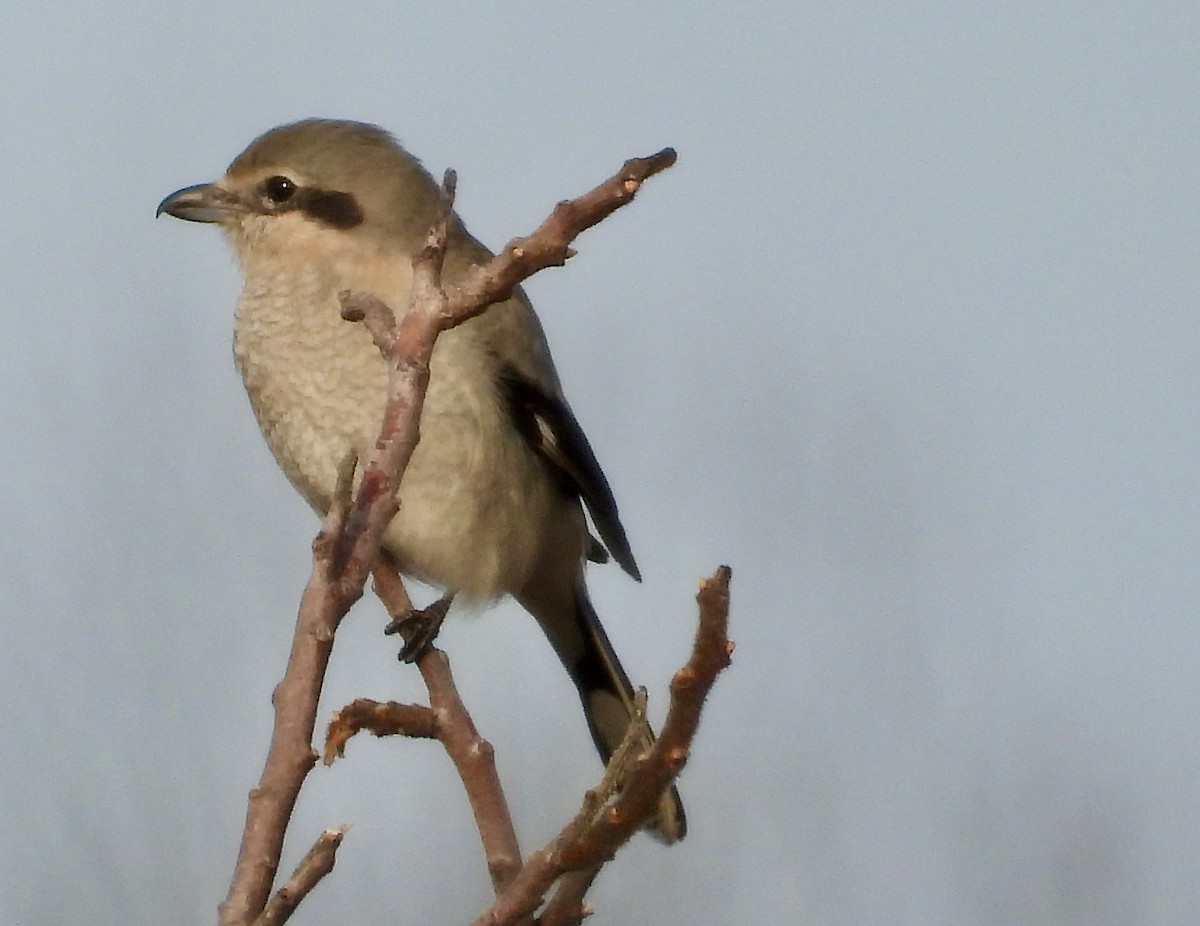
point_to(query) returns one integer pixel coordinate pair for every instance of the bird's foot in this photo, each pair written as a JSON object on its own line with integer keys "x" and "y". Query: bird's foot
{"x": 420, "y": 628}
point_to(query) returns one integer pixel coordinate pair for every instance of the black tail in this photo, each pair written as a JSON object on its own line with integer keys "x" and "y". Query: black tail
{"x": 607, "y": 696}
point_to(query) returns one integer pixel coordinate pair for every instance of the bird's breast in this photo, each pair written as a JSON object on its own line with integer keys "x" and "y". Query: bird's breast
{"x": 474, "y": 496}
{"x": 316, "y": 382}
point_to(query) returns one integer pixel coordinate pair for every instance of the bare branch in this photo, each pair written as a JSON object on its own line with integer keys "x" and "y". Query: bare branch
{"x": 315, "y": 865}
{"x": 653, "y": 773}
{"x": 587, "y": 843}
{"x": 388, "y": 718}
{"x": 550, "y": 244}
{"x": 567, "y": 907}
{"x": 290, "y": 755}
{"x": 472, "y": 755}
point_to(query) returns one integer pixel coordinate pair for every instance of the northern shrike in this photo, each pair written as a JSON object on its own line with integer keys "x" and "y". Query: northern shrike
{"x": 492, "y": 502}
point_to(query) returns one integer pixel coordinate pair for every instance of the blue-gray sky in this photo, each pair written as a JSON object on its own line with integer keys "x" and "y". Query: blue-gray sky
{"x": 909, "y": 337}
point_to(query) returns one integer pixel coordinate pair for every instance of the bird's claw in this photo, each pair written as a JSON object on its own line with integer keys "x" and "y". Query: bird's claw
{"x": 419, "y": 628}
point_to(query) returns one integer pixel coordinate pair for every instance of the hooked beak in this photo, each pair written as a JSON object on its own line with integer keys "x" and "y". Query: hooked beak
{"x": 204, "y": 202}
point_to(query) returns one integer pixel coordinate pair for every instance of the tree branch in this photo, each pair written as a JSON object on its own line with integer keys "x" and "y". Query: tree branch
{"x": 388, "y": 718}
{"x": 550, "y": 244}
{"x": 472, "y": 755}
{"x": 567, "y": 907}
{"x": 290, "y": 756}
{"x": 315, "y": 865}
{"x": 603, "y": 826}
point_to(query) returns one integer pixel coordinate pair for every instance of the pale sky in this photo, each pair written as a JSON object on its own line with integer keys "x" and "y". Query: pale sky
{"x": 909, "y": 337}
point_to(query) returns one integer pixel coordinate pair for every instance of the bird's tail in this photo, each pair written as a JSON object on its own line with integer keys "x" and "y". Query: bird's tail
{"x": 606, "y": 693}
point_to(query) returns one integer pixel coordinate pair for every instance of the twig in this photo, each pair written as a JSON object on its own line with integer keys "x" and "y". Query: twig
{"x": 315, "y": 865}
{"x": 550, "y": 244}
{"x": 567, "y": 906}
{"x": 472, "y": 755}
{"x": 652, "y": 773}
{"x": 388, "y": 718}
{"x": 290, "y": 755}
{"x": 585, "y": 844}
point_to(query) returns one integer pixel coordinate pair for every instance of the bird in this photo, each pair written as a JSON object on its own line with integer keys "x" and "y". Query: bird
{"x": 492, "y": 503}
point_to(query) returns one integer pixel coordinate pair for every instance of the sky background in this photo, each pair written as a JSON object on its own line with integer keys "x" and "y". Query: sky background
{"x": 909, "y": 337}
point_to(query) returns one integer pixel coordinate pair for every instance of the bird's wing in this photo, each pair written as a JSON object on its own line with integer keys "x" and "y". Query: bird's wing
{"x": 547, "y": 423}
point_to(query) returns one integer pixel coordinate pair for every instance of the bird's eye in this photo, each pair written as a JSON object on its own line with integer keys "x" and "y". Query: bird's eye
{"x": 279, "y": 189}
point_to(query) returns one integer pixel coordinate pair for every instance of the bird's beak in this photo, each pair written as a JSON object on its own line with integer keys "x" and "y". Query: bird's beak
{"x": 204, "y": 202}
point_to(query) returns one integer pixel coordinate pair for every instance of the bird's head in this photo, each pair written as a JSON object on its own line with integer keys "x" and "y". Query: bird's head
{"x": 319, "y": 182}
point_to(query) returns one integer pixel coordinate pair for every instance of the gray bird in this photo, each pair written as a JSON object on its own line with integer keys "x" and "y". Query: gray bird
{"x": 492, "y": 502}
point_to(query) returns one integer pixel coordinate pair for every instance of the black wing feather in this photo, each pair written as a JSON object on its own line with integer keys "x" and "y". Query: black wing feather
{"x": 547, "y": 423}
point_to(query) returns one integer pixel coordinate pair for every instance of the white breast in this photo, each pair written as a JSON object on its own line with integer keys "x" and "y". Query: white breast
{"x": 474, "y": 500}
